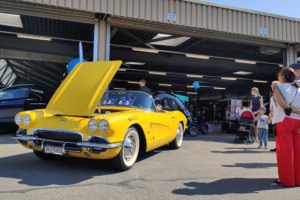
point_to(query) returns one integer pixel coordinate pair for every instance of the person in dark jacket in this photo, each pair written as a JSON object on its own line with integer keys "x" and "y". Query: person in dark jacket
{"x": 144, "y": 88}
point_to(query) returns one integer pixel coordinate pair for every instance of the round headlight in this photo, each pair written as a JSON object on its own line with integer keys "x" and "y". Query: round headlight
{"x": 27, "y": 120}
{"x": 92, "y": 125}
{"x": 103, "y": 125}
{"x": 18, "y": 119}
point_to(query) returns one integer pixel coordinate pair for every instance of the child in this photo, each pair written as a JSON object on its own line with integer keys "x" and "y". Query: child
{"x": 262, "y": 125}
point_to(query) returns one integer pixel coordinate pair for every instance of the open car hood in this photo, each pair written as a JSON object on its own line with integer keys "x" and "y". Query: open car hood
{"x": 83, "y": 88}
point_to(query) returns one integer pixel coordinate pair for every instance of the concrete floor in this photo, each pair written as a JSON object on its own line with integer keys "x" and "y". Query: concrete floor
{"x": 206, "y": 167}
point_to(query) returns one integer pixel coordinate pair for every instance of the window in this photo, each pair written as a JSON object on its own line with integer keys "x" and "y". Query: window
{"x": 14, "y": 93}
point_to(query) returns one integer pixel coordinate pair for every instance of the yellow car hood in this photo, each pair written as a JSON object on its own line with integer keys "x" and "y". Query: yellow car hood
{"x": 83, "y": 88}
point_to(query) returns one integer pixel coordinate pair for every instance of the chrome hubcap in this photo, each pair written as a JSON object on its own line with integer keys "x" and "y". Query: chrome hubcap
{"x": 129, "y": 147}
{"x": 179, "y": 135}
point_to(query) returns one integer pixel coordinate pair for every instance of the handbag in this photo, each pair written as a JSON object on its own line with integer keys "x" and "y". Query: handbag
{"x": 289, "y": 110}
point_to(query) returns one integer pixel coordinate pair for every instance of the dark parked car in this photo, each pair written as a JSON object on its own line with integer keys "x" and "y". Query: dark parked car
{"x": 18, "y": 98}
{"x": 171, "y": 102}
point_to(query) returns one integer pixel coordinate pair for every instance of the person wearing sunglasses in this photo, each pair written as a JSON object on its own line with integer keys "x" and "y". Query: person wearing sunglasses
{"x": 296, "y": 68}
{"x": 287, "y": 118}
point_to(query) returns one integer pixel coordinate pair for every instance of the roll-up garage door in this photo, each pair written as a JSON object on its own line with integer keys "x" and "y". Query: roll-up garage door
{"x": 53, "y": 12}
{"x": 192, "y": 32}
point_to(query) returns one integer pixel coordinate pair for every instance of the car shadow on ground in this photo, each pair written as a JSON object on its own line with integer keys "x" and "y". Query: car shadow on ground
{"x": 33, "y": 171}
{"x": 228, "y": 186}
{"x": 252, "y": 165}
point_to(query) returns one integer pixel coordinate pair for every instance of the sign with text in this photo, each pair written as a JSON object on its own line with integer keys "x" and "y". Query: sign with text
{"x": 263, "y": 31}
{"x": 172, "y": 17}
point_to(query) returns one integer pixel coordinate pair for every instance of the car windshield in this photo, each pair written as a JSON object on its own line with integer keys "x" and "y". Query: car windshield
{"x": 127, "y": 99}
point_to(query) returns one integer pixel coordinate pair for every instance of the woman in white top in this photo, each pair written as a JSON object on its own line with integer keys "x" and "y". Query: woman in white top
{"x": 287, "y": 95}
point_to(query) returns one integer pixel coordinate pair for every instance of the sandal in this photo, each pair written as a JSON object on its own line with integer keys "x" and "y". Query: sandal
{"x": 266, "y": 148}
{"x": 259, "y": 147}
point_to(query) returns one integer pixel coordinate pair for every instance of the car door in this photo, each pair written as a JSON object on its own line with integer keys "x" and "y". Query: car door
{"x": 12, "y": 101}
{"x": 168, "y": 127}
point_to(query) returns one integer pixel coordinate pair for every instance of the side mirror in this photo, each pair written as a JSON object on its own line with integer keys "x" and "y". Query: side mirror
{"x": 158, "y": 107}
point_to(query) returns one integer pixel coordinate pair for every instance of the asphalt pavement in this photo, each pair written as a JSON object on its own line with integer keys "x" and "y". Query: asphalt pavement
{"x": 205, "y": 167}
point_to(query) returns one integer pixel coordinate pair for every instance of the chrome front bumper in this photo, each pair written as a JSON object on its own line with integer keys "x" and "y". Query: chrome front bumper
{"x": 80, "y": 144}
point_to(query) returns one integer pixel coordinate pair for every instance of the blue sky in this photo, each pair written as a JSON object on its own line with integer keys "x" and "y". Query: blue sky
{"x": 290, "y": 8}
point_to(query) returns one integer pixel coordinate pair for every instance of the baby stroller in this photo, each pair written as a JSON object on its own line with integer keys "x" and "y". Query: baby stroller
{"x": 246, "y": 128}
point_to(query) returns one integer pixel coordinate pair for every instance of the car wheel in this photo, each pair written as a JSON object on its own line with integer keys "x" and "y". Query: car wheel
{"x": 193, "y": 130}
{"x": 129, "y": 152}
{"x": 177, "y": 142}
{"x": 204, "y": 128}
{"x": 45, "y": 156}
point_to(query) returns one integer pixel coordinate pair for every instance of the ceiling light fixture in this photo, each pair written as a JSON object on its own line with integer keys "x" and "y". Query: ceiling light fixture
{"x": 35, "y": 37}
{"x": 161, "y": 84}
{"x": 260, "y": 81}
{"x": 158, "y": 73}
{"x": 192, "y": 92}
{"x": 119, "y": 88}
{"x": 190, "y": 86}
{"x": 122, "y": 69}
{"x": 194, "y": 76}
{"x": 134, "y": 63}
{"x": 10, "y": 20}
{"x": 245, "y": 61}
{"x": 281, "y": 65}
{"x": 228, "y": 78}
{"x": 133, "y": 82}
{"x": 196, "y": 56}
{"x": 145, "y": 50}
{"x": 242, "y": 73}
{"x": 219, "y": 88}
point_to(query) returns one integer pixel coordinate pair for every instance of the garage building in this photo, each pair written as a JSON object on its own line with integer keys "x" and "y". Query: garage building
{"x": 169, "y": 43}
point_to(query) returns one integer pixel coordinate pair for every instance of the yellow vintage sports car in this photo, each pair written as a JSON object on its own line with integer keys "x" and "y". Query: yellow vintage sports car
{"x": 75, "y": 124}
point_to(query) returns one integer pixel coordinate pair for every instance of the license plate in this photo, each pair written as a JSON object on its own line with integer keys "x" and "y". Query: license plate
{"x": 53, "y": 150}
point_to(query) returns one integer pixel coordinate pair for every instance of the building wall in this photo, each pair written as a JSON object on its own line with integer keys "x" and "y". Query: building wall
{"x": 192, "y": 13}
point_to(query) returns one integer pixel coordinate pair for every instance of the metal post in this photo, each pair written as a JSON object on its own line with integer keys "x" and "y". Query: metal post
{"x": 96, "y": 36}
{"x": 107, "y": 56}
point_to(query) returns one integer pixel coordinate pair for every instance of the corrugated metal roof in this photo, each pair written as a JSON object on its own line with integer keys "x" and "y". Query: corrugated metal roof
{"x": 53, "y": 28}
{"x": 195, "y": 14}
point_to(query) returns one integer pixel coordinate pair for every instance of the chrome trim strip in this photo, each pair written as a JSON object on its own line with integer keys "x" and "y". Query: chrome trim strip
{"x": 104, "y": 146}
{"x": 20, "y": 130}
{"x": 18, "y": 137}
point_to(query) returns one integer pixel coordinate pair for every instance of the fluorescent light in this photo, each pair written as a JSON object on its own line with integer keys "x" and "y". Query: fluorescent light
{"x": 161, "y": 84}
{"x": 10, "y": 20}
{"x": 173, "y": 42}
{"x": 134, "y": 63}
{"x": 122, "y": 69}
{"x": 260, "y": 81}
{"x": 133, "y": 82}
{"x": 195, "y": 76}
{"x": 145, "y": 50}
{"x": 196, "y": 56}
{"x": 219, "y": 88}
{"x": 119, "y": 88}
{"x": 245, "y": 61}
{"x": 242, "y": 73}
{"x": 192, "y": 92}
{"x": 190, "y": 86}
{"x": 229, "y": 78}
{"x": 35, "y": 37}
{"x": 159, "y": 73}
{"x": 280, "y": 65}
